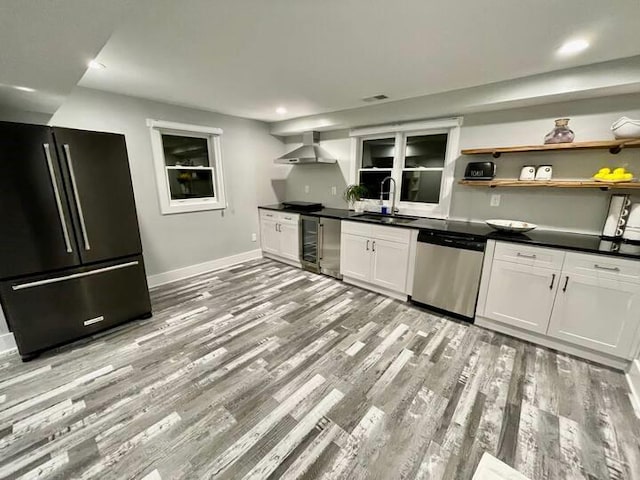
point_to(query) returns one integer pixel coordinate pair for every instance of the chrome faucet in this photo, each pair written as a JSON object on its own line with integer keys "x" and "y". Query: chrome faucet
{"x": 394, "y": 210}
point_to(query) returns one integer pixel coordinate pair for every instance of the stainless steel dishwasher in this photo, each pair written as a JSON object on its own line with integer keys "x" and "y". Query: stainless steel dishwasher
{"x": 447, "y": 273}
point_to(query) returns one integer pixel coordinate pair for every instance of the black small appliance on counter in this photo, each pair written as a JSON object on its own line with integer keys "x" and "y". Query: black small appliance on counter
{"x": 303, "y": 206}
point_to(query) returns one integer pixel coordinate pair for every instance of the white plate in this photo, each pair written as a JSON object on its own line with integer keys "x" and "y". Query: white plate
{"x": 510, "y": 225}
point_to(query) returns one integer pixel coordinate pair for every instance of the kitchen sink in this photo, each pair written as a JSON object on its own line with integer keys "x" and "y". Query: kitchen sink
{"x": 387, "y": 219}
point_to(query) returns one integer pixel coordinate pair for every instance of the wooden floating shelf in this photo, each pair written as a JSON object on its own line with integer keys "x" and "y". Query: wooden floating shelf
{"x": 614, "y": 146}
{"x": 514, "y": 182}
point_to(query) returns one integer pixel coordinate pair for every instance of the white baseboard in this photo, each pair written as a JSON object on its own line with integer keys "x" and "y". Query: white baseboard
{"x": 7, "y": 342}
{"x": 556, "y": 344}
{"x": 375, "y": 288}
{"x": 633, "y": 379}
{"x": 192, "y": 270}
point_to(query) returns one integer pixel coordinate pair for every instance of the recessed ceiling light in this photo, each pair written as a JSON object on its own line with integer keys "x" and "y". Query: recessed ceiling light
{"x": 97, "y": 65}
{"x": 573, "y": 46}
{"x": 281, "y": 110}
{"x": 24, "y": 89}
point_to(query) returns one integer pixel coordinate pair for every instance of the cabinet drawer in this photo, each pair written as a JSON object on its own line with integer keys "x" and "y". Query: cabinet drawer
{"x": 47, "y": 311}
{"x": 357, "y": 228}
{"x": 391, "y": 234}
{"x": 525, "y": 255}
{"x": 270, "y": 214}
{"x": 289, "y": 218}
{"x": 602, "y": 266}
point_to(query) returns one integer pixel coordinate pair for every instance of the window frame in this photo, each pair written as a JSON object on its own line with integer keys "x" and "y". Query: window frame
{"x": 213, "y": 136}
{"x": 361, "y": 141}
{"x": 451, "y": 127}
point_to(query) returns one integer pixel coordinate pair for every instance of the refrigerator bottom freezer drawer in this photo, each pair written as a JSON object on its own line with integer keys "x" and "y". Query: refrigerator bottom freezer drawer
{"x": 45, "y": 311}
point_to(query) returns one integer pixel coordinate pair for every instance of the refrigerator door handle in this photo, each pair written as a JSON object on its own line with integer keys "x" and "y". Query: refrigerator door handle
{"x": 320, "y": 241}
{"x": 56, "y": 193}
{"x": 76, "y": 196}
{"x": 97, "y": 271}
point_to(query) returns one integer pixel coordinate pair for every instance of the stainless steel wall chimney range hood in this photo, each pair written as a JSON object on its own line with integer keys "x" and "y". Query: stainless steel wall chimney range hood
{"x": 309, "y": 152}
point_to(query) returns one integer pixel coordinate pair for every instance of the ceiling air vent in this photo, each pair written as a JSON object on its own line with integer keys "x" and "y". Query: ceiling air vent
{"x": 375, "y": 98}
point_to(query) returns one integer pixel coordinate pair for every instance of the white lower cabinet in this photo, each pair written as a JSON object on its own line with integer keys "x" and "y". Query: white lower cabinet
{"x": 521, "y": 295}
{"x": 355, "y": 257}
{"x": 270, "y": 238}
{"x": 589, "y": 304}
{"x": 597, "y": 313}
{"x": 280, "y": 235}
{"x": 376, "y": 255}
{"x": 389, "y": 265}
{"x": 289, "y": 241}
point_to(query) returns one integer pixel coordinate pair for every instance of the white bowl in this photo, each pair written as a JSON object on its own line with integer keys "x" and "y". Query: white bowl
{"x": 510, "y": 225}
{"x": 625, "y": 127}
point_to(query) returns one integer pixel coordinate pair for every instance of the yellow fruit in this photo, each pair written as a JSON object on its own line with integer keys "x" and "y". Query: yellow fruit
{"x": 610, "y": 176}
{"x": 604, "y": 170}
{"x": 599, "y": 175}
{"x": 619, "y": 171}
{"x": 628, "y": 176}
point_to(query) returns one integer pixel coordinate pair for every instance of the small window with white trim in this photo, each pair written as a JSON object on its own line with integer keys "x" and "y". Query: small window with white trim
{"x": 188, "y": 167}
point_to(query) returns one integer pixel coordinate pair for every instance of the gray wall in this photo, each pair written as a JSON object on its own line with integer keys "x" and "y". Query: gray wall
{"x": 320, "y": 177}
{"x": 570, "y": 209}
{"x": 181, "y": 240}
{"x": 567, "y": 209}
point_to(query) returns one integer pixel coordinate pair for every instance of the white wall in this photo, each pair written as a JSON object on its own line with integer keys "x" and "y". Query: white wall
{"x": 180, "y": 240}
{"x": 566, "y": 209}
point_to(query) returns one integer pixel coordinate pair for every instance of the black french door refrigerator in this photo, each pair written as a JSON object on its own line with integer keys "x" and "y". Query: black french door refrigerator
{"x": 70, "y": 252}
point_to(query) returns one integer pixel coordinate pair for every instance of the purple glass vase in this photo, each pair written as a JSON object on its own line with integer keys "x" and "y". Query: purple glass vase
{"x": 561, "y": 133}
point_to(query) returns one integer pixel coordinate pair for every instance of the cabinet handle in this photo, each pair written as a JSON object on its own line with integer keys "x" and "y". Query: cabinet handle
{"x": 609, "y": 269}
{"x": 367, "y": 245}
{"x": 275, "y": 225}
{"x": 533, "y": 256}
{"x": 553, "y": 279}
{"x": 47, "y": 281}
{"x": 566, "y": 283}
{"x": 373, "y": 246}
{"x": 56, "y": 193}
{"x": 287, "y": 218}
{"x": 76, "y": 196}
{"x": 279, "y": 227}
{"x": 320, "y": 241}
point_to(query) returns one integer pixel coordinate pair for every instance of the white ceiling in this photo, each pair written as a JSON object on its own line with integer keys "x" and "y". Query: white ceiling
{"x": 45, "y": 45}
{"x": 247, "y": 57}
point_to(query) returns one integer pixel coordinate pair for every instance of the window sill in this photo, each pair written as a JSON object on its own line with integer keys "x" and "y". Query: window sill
{"x": 187, "y": 207}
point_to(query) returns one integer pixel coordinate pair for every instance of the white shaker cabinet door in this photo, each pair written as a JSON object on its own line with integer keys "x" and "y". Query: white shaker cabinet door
{"x": 521, "y": 295}
{"x": 598, "y": 313}
{"x": 355, "y": 257}
{"x": 269, "y": 236}
{"x": 390, "y": 264}
{"x": 289, "y": 241}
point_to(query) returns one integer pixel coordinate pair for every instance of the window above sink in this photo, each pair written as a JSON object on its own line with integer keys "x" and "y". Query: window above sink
{"x": 419, "y": 156}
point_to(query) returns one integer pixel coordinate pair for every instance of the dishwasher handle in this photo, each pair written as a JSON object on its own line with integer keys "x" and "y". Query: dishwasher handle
{"x": 453, "y": 241}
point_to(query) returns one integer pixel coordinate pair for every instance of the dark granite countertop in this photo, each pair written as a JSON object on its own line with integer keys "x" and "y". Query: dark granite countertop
{"x": 541, "y": 238}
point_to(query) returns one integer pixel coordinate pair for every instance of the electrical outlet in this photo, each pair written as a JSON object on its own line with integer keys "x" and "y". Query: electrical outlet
{"x": 334, "y": 191}
{"x": 495, "y": 200}
{"x": 254, "y": 237}
{"x": 306, "y": 189}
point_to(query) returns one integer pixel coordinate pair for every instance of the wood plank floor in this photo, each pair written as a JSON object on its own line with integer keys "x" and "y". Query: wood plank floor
{"x": 266, "y": 371}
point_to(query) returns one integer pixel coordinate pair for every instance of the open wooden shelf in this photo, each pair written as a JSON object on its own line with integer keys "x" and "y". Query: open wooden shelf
{"x": 614, "y": 146}
{"x": 514, "y": 182}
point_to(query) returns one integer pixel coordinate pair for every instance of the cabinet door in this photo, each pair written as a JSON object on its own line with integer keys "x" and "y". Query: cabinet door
{"x": 289, "y": 241}
{"x": 36, "y": 233}
{"x": 99, "y": 188}
{"x": 269, "y": 238}
{"x": 355, "y": 257}
{"x": 390, "y": 264}
{"x": 597, "y": 313}
{"x": 521, "y": 295}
